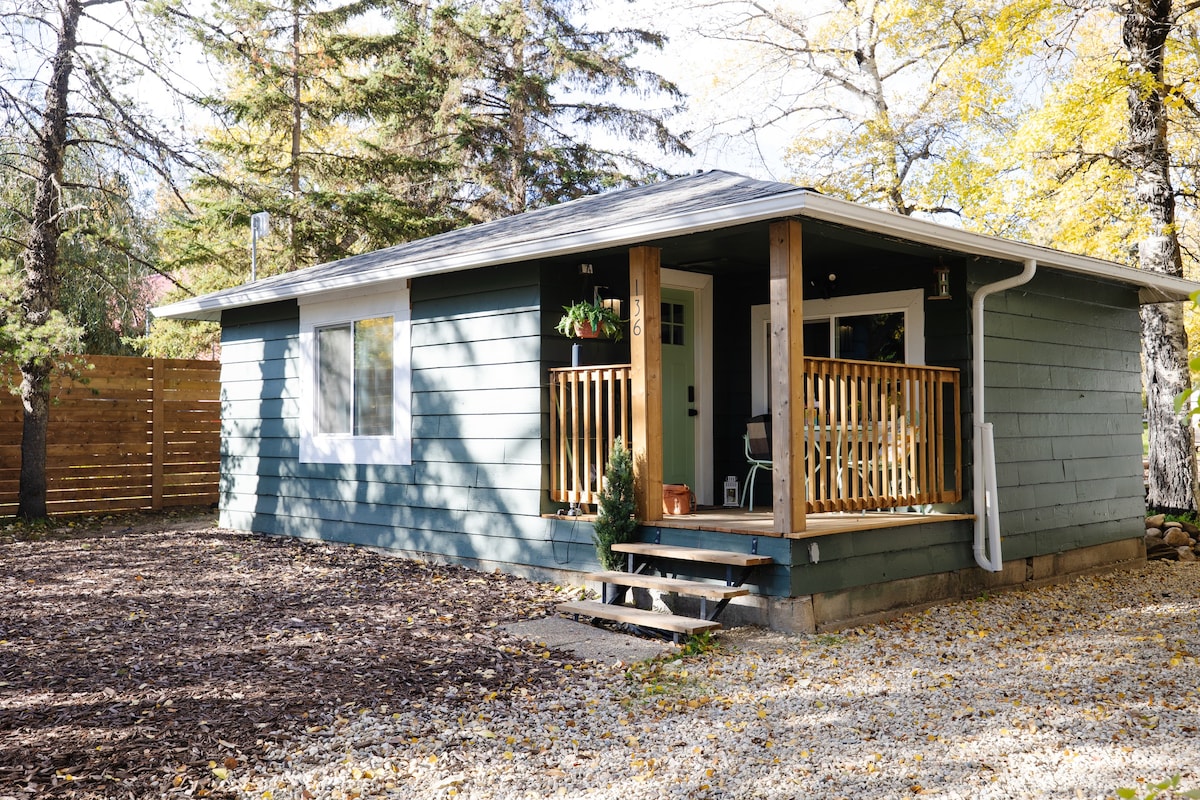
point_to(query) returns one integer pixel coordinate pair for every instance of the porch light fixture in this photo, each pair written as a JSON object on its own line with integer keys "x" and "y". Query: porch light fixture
{"x": 941, "y": 284}
{"x": 611, "y": 303}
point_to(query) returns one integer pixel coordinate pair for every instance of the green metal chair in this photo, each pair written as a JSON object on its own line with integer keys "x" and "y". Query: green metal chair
{"x": 758, "y": 453}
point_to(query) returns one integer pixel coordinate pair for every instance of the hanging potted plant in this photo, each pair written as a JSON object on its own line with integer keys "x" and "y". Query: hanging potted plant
{"x": 587, "y": 320}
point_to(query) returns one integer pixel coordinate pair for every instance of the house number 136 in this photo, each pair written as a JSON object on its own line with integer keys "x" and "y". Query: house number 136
{"x": 635, "y": 319}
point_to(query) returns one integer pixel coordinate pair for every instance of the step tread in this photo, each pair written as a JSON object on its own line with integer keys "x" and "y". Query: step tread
{"x": 709, "y": 591}
{"x": 636, "y": 616}
{"x": 693, "y": 554}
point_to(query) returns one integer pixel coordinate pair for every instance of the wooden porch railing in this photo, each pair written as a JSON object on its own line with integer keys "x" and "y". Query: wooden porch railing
{"x": 880, "y": 435}
{"x": 875, "y": 435}
{"x": 589, "y": 409}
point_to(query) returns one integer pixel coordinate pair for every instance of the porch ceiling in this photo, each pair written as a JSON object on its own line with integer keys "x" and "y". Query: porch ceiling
{"x": 744, "y": 247}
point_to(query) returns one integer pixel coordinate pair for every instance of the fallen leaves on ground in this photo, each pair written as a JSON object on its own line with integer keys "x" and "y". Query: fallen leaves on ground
{"x": 157, "y": 662}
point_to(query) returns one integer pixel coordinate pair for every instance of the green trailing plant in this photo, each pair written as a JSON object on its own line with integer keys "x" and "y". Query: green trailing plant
{"x": 602, "y": 319}
{"x": 615, "y": 522}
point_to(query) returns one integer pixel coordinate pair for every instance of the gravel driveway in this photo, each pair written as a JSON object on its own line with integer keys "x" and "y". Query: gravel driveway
{"x": 1068, "y": 691}
{"x": 336, "y": 673}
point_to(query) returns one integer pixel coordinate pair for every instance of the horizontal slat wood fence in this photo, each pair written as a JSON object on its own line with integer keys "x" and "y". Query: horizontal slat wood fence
{"x": 129, "y": 434}
{"x": 590, "y": 408}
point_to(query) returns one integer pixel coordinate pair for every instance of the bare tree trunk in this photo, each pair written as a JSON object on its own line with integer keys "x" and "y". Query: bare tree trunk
{"x": 1146, "y": 25}
{"x": 39, "y": 295}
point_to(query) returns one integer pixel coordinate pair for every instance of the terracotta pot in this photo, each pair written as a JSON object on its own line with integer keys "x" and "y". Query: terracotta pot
{"x": 584, "y": 330}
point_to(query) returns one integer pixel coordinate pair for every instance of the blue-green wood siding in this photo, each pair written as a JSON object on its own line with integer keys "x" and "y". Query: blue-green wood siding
{"x": 474, "y": 491}
{"x": 1064, "y": 397}
{"x": 1062, "y": 391}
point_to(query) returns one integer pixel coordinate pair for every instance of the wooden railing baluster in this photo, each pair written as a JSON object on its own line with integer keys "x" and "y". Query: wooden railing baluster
{"x": 880, "y": 435}
{"x": 589, "y": 409}
{"x": 876, "y": 435}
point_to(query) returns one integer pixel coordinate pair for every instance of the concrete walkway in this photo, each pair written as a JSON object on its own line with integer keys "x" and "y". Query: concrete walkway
{"x": 588, "y": 641}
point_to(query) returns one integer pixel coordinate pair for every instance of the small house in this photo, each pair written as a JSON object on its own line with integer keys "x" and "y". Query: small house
{"x": 923, "y": 412}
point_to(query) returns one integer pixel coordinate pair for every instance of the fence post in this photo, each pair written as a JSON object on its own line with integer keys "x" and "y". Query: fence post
{"x": 157, "y": 434}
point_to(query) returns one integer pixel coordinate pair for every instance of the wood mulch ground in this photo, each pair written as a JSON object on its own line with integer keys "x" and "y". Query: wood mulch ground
{"x": 142, "y": 656}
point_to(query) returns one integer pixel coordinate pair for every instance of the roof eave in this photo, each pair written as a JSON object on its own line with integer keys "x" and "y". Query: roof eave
{"x": 1153, "y": 287}
{"x": 209, "y": 307}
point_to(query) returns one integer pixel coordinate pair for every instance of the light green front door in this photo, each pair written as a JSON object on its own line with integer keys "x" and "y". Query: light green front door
{"x": 679, "y": 386}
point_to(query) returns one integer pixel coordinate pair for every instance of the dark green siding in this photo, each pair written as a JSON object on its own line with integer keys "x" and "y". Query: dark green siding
{"x": 1064, "y": 397}
{"x": 474, "y": 490}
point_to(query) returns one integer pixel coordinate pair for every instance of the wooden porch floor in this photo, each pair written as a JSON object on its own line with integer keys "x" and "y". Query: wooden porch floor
{"x": 760, "y": 523}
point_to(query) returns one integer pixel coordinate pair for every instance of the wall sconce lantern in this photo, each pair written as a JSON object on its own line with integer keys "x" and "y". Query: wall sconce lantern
{"x": 941, "y": 284}
{"x": 611, "y": 303}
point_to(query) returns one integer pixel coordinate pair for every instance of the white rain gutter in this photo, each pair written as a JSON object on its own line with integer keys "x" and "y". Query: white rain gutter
{"x": 983, "y": 446}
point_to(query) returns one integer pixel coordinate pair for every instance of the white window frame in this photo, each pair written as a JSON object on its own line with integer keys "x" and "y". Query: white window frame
{"x": 324, "y": 448}
{"x": 909, "y": 301}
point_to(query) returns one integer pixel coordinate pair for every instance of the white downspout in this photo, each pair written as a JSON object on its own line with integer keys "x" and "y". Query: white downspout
{"x": 983, "y": 486}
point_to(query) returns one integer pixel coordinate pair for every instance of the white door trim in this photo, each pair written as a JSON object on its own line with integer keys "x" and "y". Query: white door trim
{"x": 702, "y": 287}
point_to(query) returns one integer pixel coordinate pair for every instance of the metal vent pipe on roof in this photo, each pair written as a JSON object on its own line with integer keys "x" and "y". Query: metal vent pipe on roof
{"x": 983, "y": 448}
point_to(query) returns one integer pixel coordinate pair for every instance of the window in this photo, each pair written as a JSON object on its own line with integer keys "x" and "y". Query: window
{"x": 354, "y": 378}
{"x": 888, "y": 326}
{"x": 861, "y": 337}
{"x": 355, "y": 381}
{"x": 673, "y": 324}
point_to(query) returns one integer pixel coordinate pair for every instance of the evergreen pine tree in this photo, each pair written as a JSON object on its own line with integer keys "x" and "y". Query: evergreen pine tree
{"x": 615, "y": 522}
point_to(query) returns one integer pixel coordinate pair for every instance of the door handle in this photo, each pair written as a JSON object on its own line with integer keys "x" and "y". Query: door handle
{"x": 693, "y": 412}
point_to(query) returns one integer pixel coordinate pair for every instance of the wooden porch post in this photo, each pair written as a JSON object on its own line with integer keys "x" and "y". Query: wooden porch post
{"x": 645, "y": 358}
{"x": 787, "y": 363}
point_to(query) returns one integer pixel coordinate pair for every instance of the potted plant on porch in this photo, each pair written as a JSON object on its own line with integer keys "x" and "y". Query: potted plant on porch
{"x": 589, "y": 320}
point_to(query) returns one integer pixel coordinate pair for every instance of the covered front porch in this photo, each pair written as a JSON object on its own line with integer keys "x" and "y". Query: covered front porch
{"x": 851, "y": 444}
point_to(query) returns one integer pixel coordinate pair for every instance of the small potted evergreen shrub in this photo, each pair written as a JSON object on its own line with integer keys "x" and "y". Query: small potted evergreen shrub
{"x": 587, "y": 320}
{"x": 615, "y": 522}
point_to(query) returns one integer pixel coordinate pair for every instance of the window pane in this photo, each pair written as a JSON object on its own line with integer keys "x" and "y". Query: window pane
{"x": 872, "y": 337}
{"x": 816, "y": 339}
{"x": 333, "y": 379}
{"x": 373, "y": 377}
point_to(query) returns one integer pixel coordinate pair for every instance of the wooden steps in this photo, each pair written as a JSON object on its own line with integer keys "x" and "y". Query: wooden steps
{"x": 676, "y": 553}
{"x": 645, "y": 555}
{"x": 687, "y": 626}
{"x": 709, "y": 591}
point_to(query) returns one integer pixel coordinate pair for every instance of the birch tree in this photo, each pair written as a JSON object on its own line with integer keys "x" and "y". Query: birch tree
{"x": 1146, "y": 28}
{"x": 1094, "y": 165}
{"x": 884, "y": 102}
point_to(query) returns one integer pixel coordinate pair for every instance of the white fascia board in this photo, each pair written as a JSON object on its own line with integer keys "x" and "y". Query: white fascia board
{"x": 802, "y": 203}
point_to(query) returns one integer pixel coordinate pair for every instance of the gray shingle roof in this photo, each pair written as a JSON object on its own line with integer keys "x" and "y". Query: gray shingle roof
{"x": 674, "y": 207}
